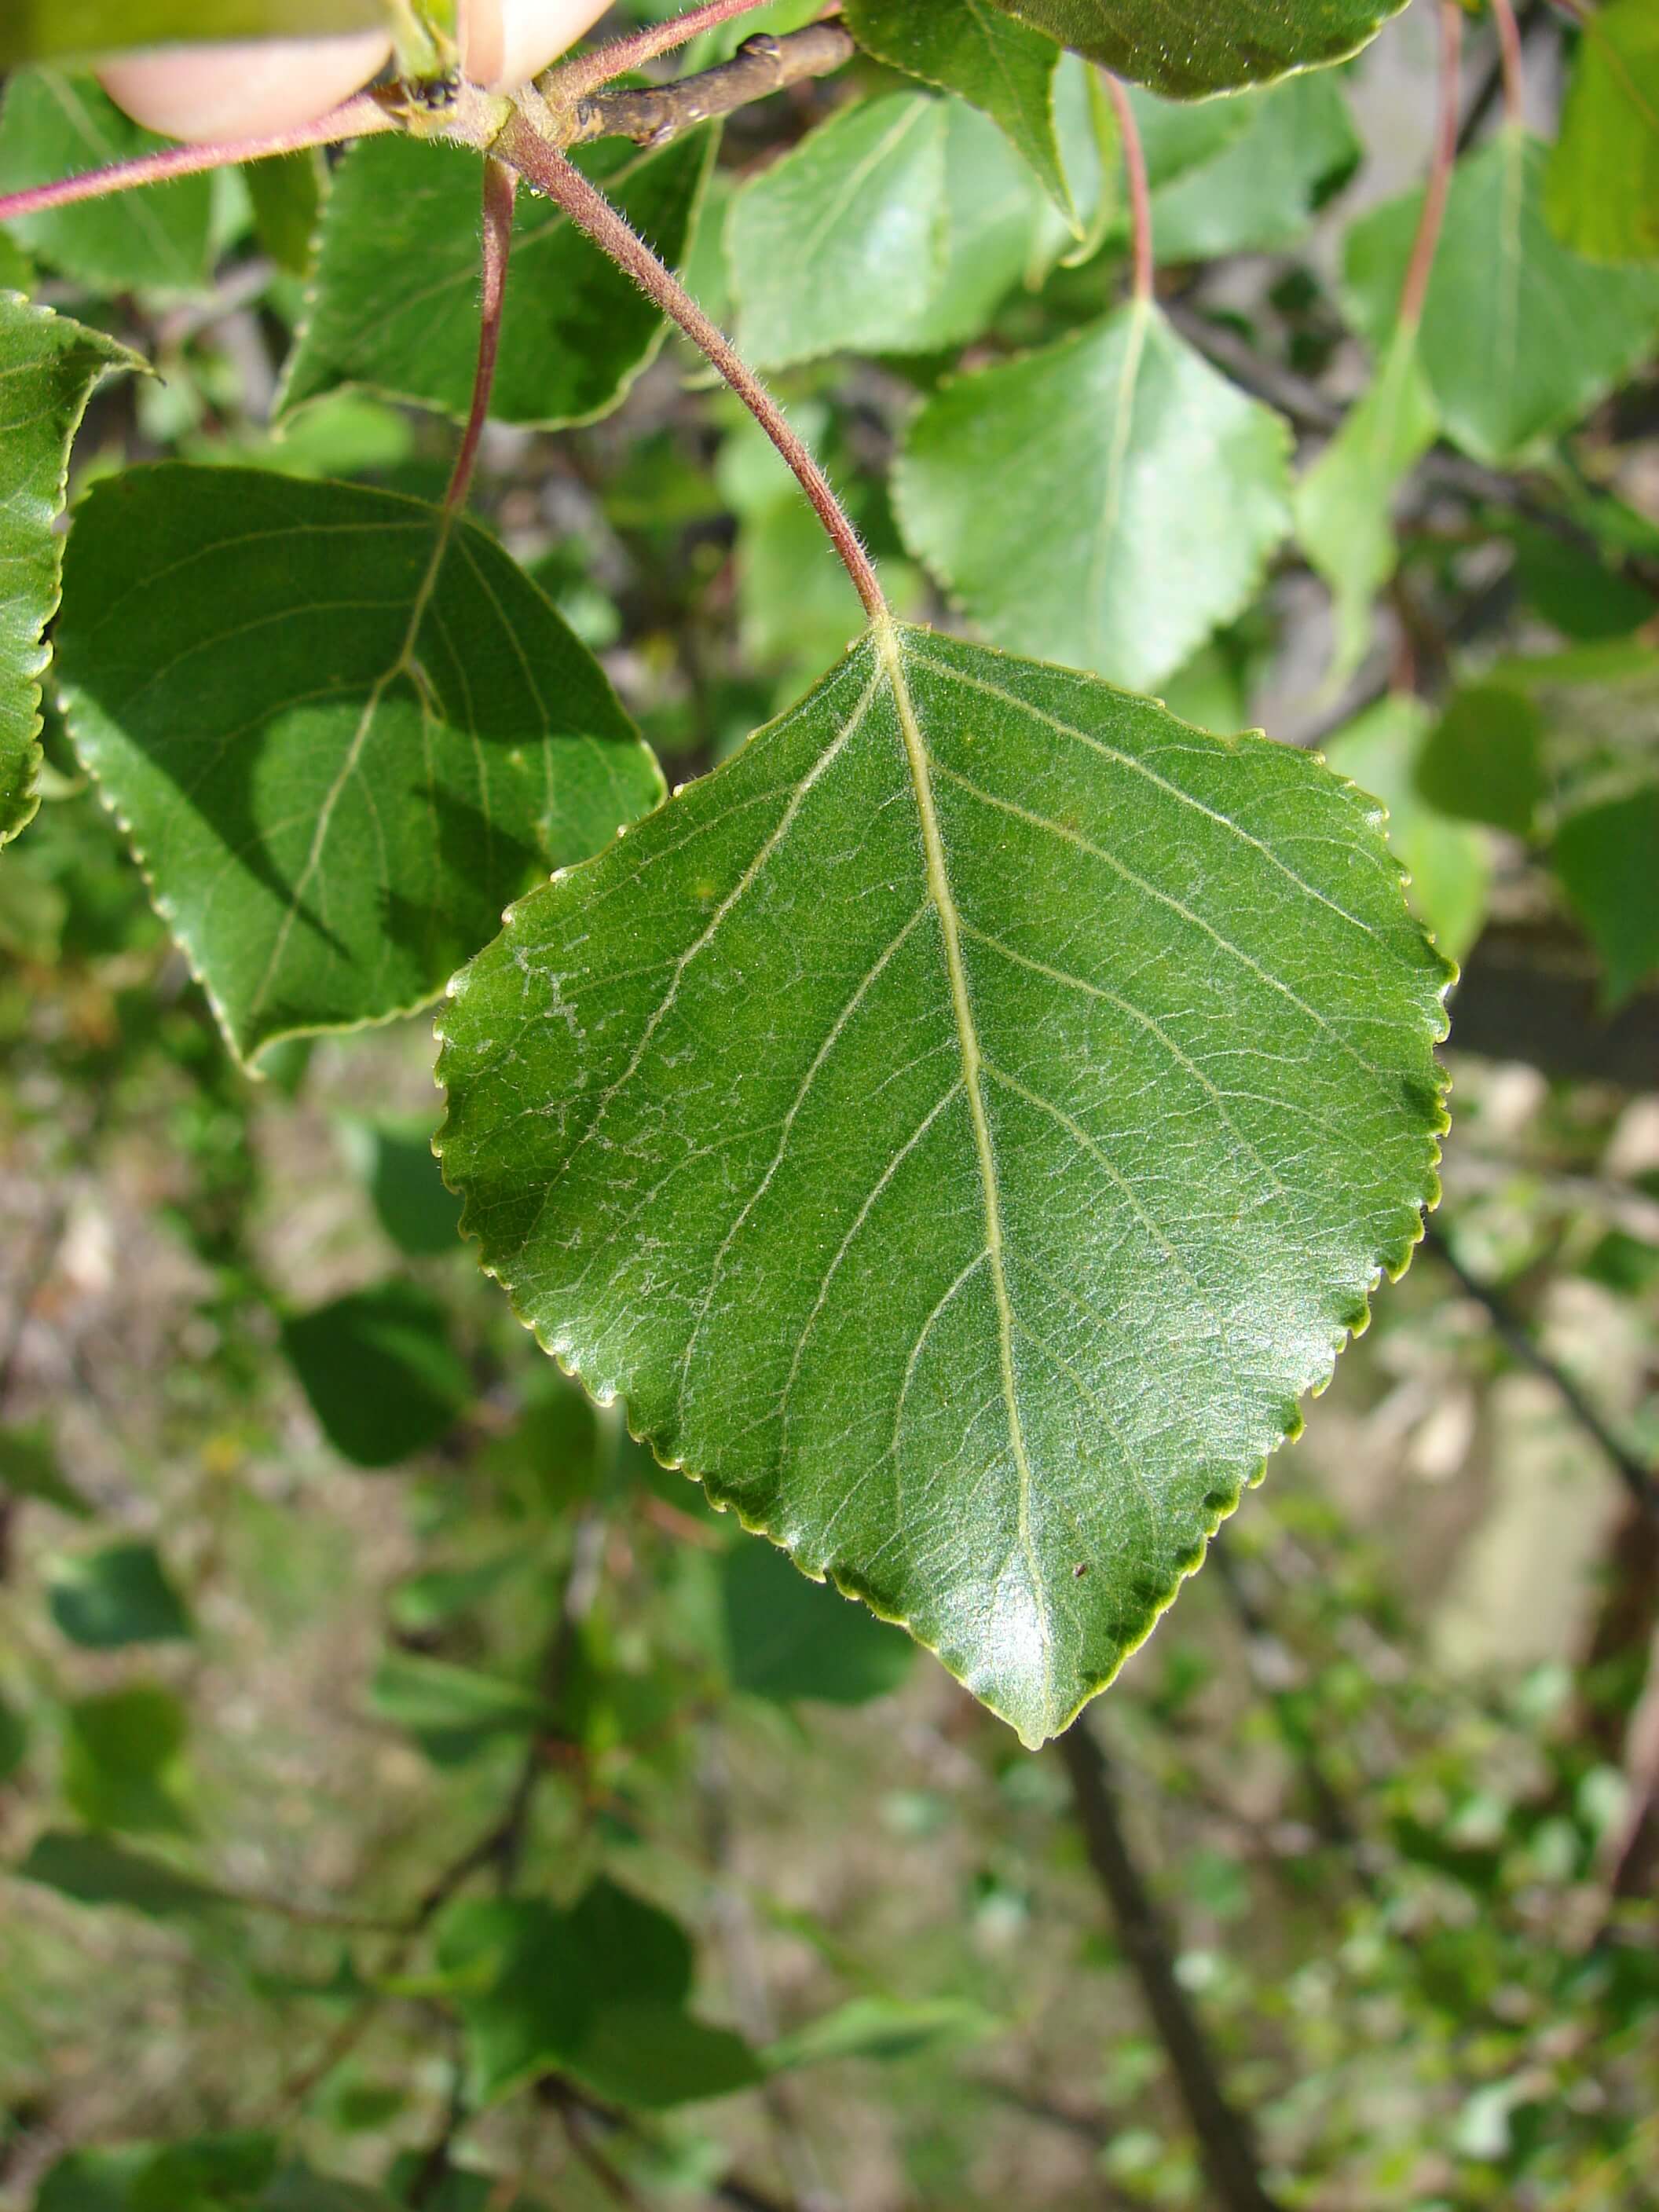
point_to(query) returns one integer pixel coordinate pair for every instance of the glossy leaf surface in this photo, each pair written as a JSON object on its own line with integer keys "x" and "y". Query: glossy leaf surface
{"x": 48, "y": 367}
{"x": 1066, "y": 498}
{"x": 1519, "y": 336}
{"x": 339, "y": 740}
{"x": 56, "y": 125}
{"x": 1190, "y": 47}
{"x": 960, "y": 1127}
{"x": 394, "y": 297}
{"x": 1601, "y": 188}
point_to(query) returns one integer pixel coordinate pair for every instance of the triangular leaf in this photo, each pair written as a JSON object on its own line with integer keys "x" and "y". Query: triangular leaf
{"x": 960, "y": 1127}
{"x": 1258, "y": 191}
{"x": 394, "y": 302}
{"x": 1067, "y": 498}
{"x": 331, "y": 824}
{"x": 1519, "y": 336}
{"x": 48, "y": 367}
{"x": 1187, "y": 48}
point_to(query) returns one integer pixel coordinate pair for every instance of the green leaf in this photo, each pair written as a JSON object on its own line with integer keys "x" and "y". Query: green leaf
{"x": 44, "y": 30}
{"x": 93, "y": 2180}
{"x": 960, "y": 1127}
{"x": 441, "y": 1594}
{"x": 1483, "y": 761}
{"x": 1449, "y": 863}
{"x": 994, "y": 217}
{"x": 1605, "y": 856}
{"x": 788, "y": 1638}
{"x": 93, "y": 1871}
{"x": 1345, "y": 502}
{"x": 1573, "y": 589}
{"x": 1520, "y": 336}
{"x": 1066, "y": 498}
{"x": 206, "y": 2173}
{"x": 123, "y": 1760}
{"x": 52, "y": 126}
{"x": 29, "y": 1468}
{"x": 881, "y": 2028}
{"x": 395, "y": 1160}
{"x": 48, "y": 369}
{"x": 1187, "y": 48}
{"x": 427, "y": 1695}
{"x": 1258, "y": 192}
{"x": 339, "y": 737}
{"x": 119, "y": 1595}
{"x": 394, "y": 298}
{"x": 973, "y": 48}
{"x": 838, "y": 246}
{"x": 13, "y": 1740}
{"x": 1601, "y": 188}
{"x": 287, "y": 196}
{"x": 299, "y": 2188}
{"x": 382, "y": 1376}
{"x": 598, "y": 1991}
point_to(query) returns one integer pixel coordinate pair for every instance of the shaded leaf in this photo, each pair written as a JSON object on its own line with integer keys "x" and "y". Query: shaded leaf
{"x": 411, "y": 1203}
{"x": 1601, "y": 187}
{"x": 1258, "y": 192}
{"x": 286, "y": 198}
{"x": 1066, "y": 498}
{"x": 433, "y": 1598}
{"x": 425, "y": 1694}
{"x": 29, "y": 1468}
{"x": 330, "y": 822}
{"x": 1345, "y": 502}
{"x": 124, "y": 1761}
{"x": 1484, "y": 758}
{"x": 378, "y": 1366}
{"x": 93, "y": 2180}
{"x": 48, "y": 368}
{"x": 119, "y": 1595}
{"x": 1520, "y": 336}
{"x": 13, "y": 1740}
{"x": 93, "y": 1871}
{"x": 1187, "y": 48}
{"x": 598, "y": 1991}
{"x": 53, "y": 126}
{"x": 1449, "y": 863}
{"x": 974, "y": 48}
{"x": 881, "y": 2028}
{"x": 788, "y": 1638}
{"x": 977, "y": 1243}
{"x": 394, "y": 298}
{"x": 1573, "y": 590}
{"x": 1605, "y": 859}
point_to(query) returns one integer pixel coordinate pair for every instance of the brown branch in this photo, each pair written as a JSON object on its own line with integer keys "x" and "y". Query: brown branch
{"x": 762, "y": 65}
{"x": 571, "y": 81}
{"x": 542, "y": 166}
{"x": 1508, "y": 55}
{"x": 501, "y": 186}
{"x": 1532, "y": 14}
{"x": 1420, "y": 267}
{"x": 1224, "y": 2147}
{"x": 1135, "y": 170}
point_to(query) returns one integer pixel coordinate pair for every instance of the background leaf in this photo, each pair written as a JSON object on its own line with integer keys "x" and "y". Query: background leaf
{"x": 332, "y": 824}
{"x": 1291, "y": 146}
{"x": 29, "y": 1468}
{"x": 1449, "y": 862}
{"x": 788, "y": 1638}
{"x": 379, "y": 1370}
{"x": 1063, "y": 497}
{"x": 48, "y": 368}
{"x": 124, "y": 1761}
{"x": 919, "y": 1288}
{"x": 1187, "y": 48}
{"x": 1604, "y": 856}
{"x": 1601, "y": 187}
{"x": 93, "y": 1871}
{"x": 119, "y": 1595}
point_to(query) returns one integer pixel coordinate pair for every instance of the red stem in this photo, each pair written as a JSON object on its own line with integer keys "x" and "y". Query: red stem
{"x": 1420, "y": 267}
{"x": 1509, "y": 47}
{"x": 572, "y": 79}
{"x": 1134, "y": 168}
{"x": 501, "y": 186}
{"x": 358, "y": 118}
{"x": 548, "y": 170}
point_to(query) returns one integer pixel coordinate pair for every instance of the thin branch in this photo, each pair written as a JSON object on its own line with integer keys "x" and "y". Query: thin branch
{"x": 1135, "y": 170}
{"x": 1638, "y": 1478}
{"x": 571, "y": 81}
{"x": 501, "y": 186}
{"x": 359, "y": 118}
{"x": 543, "y": 167}
{"x": 1420, "y": 267}
{"x": 1534, "y": 13}
{"x": 1508, "y": 55}
{"x": 1224, "y": 2147}
{"x": 762, "y": 65}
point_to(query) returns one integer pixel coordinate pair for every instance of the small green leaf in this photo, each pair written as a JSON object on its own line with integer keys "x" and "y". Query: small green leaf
{"x": 417, "y": 1212}
{"x": 13, "y": 1740}
{"x": 974, "y": 48}
{"x": 1601, "y": 188}
{"x": 394, "y": 298}
{"x": 48, "y": 369}
{"x": 1605, "y": 856}
{"x": 119, "y": 1595}
{"x": 1344, "y": 500}
{"x": 93, "y": 2180}
{"x": 881, "y": 2028}
{"x": 960, "y": 1127}
{"x": 287, "y": 196}
{"x": 1066, "y": 498}
{"x": 380, "y": 1372}
{"x": 598, "y": 1991}
{"x": 29, "y": 1468}
{"x": 46, "y": 30}
{"x": 1520, "y": 336}
{"x": 789, "y": 1638}
{"x": 299, "y": 2188}
{"x": 1187, "y": 48}
{"x": 93, "y": 1871}
{"x": 1575, "y": 590}
{"x": 1295, "y": 145}
{"x": 1449, "y": 863}
{"x": 52, "y": 126}
{"x": 430, "y": 1695}
{"x": 207, "y": 2173}
{"x": 124, "y": 1761}
{"x": 1484, "y": 760}
{"x": 330, "y": 823}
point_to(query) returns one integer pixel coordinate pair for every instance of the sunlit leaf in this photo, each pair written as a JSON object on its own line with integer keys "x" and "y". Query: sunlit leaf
{"x": 1066, "y": 498}
{"x": 960, "y": 1127}
{"x": 339, "y": 738}
{"x": 124, "y": 1761}
{"x": 881, "y": 2028}
{"x": 1190, "y": 47}
{"x": 1601, "y": 188}
{"x": 1295, "y": 145}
